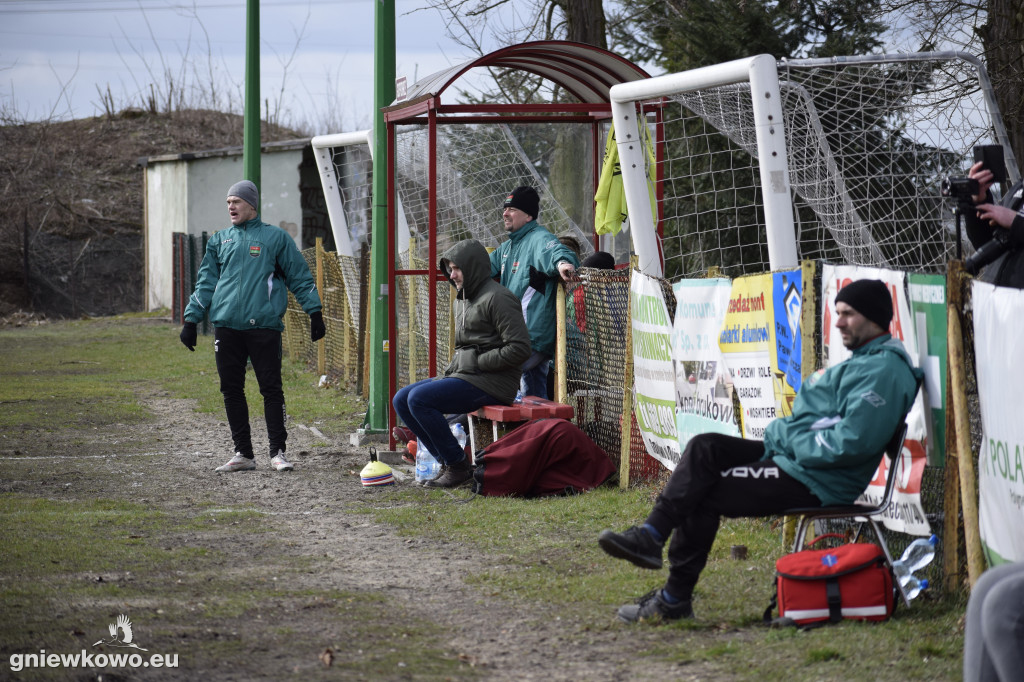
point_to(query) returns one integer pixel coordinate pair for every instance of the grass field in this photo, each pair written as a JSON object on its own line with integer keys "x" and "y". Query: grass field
{"x": 80, "y": 545}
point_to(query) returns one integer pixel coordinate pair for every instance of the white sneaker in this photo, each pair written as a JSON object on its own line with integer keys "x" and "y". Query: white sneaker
{"x": 238, "y": 463}
{"x": 280, "y": 463}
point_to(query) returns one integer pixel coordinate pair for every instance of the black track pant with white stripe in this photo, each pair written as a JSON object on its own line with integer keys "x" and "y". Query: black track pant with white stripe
{"x": 717, "y": 476}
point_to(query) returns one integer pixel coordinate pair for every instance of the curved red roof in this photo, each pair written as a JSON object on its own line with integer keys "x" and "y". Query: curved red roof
{"x": 585, "y": 71}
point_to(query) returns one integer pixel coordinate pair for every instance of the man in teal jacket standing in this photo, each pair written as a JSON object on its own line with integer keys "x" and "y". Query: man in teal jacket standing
{"x": 824, "y": 453}
{"x": 528, "y": 264}
{"x": 241, "y": 287}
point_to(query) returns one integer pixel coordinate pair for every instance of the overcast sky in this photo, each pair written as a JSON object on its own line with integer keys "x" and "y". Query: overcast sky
{"x": 54, "y": 54}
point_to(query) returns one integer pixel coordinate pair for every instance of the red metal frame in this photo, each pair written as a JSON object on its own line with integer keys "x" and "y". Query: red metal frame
{"x": 585, "y": 71}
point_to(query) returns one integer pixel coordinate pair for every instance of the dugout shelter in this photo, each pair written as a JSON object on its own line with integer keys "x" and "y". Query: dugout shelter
{"x": 450, "y": 166}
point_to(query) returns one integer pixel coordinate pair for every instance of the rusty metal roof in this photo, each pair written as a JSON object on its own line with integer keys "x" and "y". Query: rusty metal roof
{"x": 585, "y": 71}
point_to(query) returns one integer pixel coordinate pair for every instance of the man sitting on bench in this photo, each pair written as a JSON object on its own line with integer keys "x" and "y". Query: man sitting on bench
{"x": 491, "y": 343}
{"x": 824, "y": 453}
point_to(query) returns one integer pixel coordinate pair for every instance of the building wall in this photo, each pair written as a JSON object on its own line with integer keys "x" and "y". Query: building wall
{"x": 189, "y": 196}
{"x": 280, "y": 200}
{"x": 166, "y": 202}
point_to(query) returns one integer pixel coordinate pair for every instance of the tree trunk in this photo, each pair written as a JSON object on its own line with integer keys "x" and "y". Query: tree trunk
{"x": 585, "y": 21}
{"x": 571, "y": 185}
{"x": 1002, "y": 38}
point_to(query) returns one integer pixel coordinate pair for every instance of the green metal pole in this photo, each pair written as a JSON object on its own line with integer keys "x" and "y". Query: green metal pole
{"x": 251, "y": 132}
{"x": 383, "y": 95}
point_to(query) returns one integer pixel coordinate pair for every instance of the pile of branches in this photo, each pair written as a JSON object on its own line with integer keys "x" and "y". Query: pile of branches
{"x": 72, "y": 197}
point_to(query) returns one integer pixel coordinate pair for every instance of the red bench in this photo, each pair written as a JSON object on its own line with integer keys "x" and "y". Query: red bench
{"x": 504, "y": 418}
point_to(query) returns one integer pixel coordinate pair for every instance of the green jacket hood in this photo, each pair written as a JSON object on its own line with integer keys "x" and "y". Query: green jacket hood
{"x": 471, "y": 257}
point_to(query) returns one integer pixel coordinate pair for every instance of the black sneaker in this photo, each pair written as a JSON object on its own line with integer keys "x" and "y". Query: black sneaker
{"x": 634, "y": 545}
{"x": 653, "y": 607}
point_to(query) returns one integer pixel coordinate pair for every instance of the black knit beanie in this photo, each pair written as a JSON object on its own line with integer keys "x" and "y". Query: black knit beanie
{"x": 525, "y": 199}
{"x": 870, "y": 298}
{"x": 599, "y": 259}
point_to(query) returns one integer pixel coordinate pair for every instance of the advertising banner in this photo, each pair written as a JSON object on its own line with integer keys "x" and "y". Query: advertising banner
{"x": 998, "y": 346}
{"x": 927, "y": 297}
{"x": 757, "y": 340}
{"x": 653, "y": 375}
{"x": 906, "y": 513}
{"x": 704, "y": 388}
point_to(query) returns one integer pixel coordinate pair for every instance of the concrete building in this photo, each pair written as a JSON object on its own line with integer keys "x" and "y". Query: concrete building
{"x": 186, "y": 193}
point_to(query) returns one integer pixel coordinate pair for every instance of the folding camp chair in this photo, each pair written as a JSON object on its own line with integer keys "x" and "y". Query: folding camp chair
{"x": 865, "y": 513}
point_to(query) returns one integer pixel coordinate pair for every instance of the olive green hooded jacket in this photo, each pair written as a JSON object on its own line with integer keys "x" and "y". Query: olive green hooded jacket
{"x": 491, "y": 339}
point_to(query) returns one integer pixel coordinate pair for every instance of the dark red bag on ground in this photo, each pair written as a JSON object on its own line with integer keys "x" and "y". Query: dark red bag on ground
{"x": 827, "y": 585}
{"x": 541, "y": 457}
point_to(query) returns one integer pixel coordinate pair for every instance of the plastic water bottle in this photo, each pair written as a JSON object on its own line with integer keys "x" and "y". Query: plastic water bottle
{"x": 519, "y": 397}
{"x": 427, "y": 468}
{"x": 914, "y": 585}
{"x": 918, "y": 554}
{"x": 460, "y": 434}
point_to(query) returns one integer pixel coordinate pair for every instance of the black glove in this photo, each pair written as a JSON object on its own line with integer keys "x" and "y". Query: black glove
{"x": 538, "y": 280}
{"x": 188, "y": 336}
{"x": 317, "y": 330}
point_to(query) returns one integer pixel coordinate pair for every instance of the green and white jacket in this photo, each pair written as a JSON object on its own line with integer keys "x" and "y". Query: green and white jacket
{"x": 842, "y": 419}
{"x": 242, "y": 279}
{"x": 533, "y": 246}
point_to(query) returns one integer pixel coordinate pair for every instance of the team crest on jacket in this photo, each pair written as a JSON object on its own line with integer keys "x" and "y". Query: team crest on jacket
{"x": 254, "y": 251}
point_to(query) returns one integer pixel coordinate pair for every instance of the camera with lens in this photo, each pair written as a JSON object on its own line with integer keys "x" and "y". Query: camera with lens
{"x": 960, "y": 188}
{"x": 989, "y": 251}
{"x": 964, "y": 189}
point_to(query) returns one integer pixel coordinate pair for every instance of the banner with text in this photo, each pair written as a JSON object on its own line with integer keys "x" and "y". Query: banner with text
{"x": 998, "y": 347}
{"x": 704, "y": 388}
{"x": 653, "y": 375}
{"x": 927, "y": 297}
{"x": 759, "y": 357}
{"x": 906, "y": 514}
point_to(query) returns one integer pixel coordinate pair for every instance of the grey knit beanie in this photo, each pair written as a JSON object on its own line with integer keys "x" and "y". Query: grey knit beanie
{"x": 247, "y": 192}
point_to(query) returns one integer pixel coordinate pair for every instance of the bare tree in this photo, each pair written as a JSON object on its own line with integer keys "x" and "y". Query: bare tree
{"x": 991, "y": 29}
{"x": 1002, "y": 38}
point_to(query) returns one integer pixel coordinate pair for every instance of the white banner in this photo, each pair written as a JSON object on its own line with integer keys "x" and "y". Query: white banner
{"x": 704, "y": 386}
{"x": 653, "y": 376}
{"x": 998, "y": 349}
{"x": 906, "y": 514}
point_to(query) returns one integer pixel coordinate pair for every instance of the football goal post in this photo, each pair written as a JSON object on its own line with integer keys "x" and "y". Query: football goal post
{"x": 766, "y": 162}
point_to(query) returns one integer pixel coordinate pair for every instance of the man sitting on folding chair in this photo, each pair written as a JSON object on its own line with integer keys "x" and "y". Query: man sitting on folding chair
{"x": 824, "y": 453}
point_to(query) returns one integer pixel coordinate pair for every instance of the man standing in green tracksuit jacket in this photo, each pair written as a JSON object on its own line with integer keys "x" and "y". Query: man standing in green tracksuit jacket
{"x": 241, "y": 287}
{"x": 824, "y": 453}
{"x": 528, "y": 264}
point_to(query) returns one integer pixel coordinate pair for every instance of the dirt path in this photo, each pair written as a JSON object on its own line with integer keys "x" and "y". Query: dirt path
{"x": 310, "y": 511}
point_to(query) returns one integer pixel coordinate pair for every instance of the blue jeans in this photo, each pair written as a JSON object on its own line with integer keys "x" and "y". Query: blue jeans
{"x": 423, "y": 405}
{"x": 535, "y": 375}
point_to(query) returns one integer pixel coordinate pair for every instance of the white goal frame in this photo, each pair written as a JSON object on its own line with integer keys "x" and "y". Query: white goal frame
{"x": 762, "y": 74}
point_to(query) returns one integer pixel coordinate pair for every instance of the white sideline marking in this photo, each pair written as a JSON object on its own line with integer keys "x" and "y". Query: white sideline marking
{"x": 130, "y": 454}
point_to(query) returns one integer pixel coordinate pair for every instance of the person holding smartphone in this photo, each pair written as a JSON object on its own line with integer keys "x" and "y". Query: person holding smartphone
{"x": 1003, "y": 222}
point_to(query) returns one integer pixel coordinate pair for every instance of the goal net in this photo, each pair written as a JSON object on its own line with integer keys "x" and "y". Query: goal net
{"x": 476, "y": 165}
{"x": 868, "y": 141}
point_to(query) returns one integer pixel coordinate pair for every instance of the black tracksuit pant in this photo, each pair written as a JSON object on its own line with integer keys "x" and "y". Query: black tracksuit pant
{"x": 233, "y": 349}
{"x": 717, "y": 476}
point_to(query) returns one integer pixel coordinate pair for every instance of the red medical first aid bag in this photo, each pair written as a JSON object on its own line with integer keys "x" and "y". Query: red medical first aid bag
{"x": 827, "y": 585}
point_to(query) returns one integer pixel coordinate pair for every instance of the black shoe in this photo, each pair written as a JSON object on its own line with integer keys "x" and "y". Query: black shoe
{"x": 653, "y": 607}
{"x": 452, "y": 475}
{"x": 634, "y": 545}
